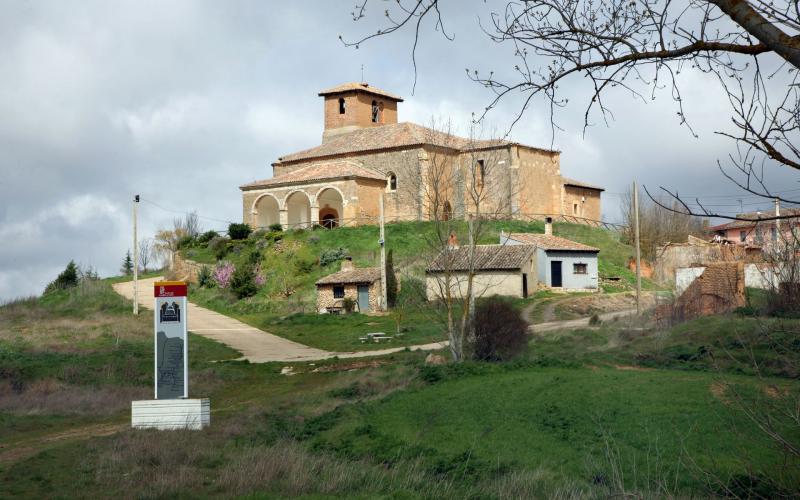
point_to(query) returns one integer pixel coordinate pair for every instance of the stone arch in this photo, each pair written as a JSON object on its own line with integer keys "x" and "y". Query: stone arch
{"x": 298, "y": 209}
{"x": 391, "y": 181}
{"x": 266, "y": 211}
{"x": 331, "y": 206}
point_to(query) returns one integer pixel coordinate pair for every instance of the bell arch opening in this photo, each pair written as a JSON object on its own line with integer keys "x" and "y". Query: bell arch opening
{"x": 298, "y": 210}
{"x": 331, "y": 208}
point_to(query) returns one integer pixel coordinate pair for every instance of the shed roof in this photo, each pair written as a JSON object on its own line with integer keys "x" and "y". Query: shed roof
{"x": 358, "y": 275}
{"x": 549, "y": 242}
{"x": 755, "y": 219}
{"x": 359, "y": 87}
{"x": 487, "y": 258}
{"x": 318, "y": 172}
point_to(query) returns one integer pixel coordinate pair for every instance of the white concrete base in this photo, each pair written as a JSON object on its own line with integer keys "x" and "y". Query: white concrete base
{"x": 170, "y": 414}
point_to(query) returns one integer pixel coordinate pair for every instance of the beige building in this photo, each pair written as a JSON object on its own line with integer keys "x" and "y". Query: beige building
{"x": 508, "y": 270}
{"x": 361, "y": 285}
{"x": 366, "y": 152}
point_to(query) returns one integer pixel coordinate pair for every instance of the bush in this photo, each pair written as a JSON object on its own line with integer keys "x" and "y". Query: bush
{"x": 257, "y": 234}
{"x": 68, "y": 278}
{"x": 205, "y": 277}
{"x": 500, "y": 333}
{"x": 243, "y": 282}
{"x": 332, "y": 255}
{"x": 186, "y": 242}
{"x": 275, "y": 227}
{"x": 223, "y": 274}
{"x": 237, "y": 231}
{"x": 219, "y": 246}
{"x": 207, "y": 236}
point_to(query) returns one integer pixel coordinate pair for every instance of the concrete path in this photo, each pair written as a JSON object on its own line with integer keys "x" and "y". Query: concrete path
{"x": 578, "y": 323}
{"x": 256, "y": 346}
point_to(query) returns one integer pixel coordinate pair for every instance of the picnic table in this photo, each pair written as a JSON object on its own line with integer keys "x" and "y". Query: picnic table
{"x": 374, "y": 337}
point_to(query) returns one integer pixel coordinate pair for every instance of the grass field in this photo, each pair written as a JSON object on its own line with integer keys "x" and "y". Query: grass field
{"x": 590, "y": 413}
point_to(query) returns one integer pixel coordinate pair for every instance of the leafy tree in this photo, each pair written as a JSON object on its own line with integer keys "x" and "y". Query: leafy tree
{"x": 127, "y": 264}
{"x": 68, "y": 278}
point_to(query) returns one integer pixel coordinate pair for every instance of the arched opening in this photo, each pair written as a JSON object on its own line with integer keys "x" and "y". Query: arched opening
{"x": 391, "y": 182}
{"x": 375, "y": 112}
{"x": 267, "y": 211}
{"x": 331, "y": 207}
{"x": 447, "y": 211}
{"x": 298, "y": 208}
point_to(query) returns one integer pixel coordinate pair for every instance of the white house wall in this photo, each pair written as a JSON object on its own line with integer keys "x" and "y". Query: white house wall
{"x": 570, "y": 280}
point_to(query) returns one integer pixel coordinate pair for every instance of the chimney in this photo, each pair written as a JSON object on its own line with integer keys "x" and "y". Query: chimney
{"x": 548, "y": 226}
{"x": 347, "y": 264}
{"x": 452, "y": 241}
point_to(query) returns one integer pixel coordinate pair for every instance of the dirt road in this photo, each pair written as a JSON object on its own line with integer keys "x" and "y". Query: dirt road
{"x": 256, "y": 346}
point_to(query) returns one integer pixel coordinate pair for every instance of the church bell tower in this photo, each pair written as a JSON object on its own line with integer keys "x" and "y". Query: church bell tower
{"x": 354, "y": 106}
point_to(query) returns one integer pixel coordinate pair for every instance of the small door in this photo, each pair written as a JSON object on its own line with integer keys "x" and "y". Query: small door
{"x": 363, "y": 298}
{"x": 524, "y": 286}
{"x": 555, "y": 273}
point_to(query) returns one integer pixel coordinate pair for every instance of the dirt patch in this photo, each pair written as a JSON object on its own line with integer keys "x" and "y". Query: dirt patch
{"x": 720, "y": 391}
{"x": 51, "y": 397}
{"x": 599, "y": 303}
{"x": 632, "y": 368}
{"x": 28, "y": 448}
{"x": 355, "y": 365}
{"x": 775, "y": 392}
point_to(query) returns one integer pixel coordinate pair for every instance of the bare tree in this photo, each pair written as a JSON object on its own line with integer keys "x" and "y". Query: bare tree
{"x": 751, "y": 47}
{"x": 146, "y": 253}
{"x": 462, "y": 186}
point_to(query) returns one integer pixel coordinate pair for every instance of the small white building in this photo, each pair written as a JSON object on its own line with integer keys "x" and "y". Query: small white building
{"x": 560, "y": 263}
{"x": 499, "y": 270}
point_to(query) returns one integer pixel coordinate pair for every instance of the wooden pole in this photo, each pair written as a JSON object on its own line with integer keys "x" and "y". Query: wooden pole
{"x": 135, "y": 258}
{"x": 384, "y": 299}
{"x": 638, "y": 250}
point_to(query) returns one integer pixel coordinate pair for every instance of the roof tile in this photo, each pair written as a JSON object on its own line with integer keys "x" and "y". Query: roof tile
{"x": 361, "y": 87}
{"x": 487, "y": 258}
{"x": 318, "y": 172}
{"x": 548, "y": 242}
{"x": 358, "y": 275}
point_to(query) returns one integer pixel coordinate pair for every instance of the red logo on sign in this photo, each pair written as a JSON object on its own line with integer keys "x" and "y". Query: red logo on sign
{"x": 170, "y": 290}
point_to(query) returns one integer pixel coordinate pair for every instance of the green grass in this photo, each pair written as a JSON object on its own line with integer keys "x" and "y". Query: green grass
{"x": 123, "y": 278}
{"x": 559, "y": 421}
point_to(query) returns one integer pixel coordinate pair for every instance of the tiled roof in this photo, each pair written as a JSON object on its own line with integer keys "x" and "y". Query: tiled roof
{"x": 546, "y": 242}
{"x": 318, "y": 172}
{"x": 358, "y": 275}
{"x": 393, "y": 135}
{"x": 737, "y": 224}
{"x": 572, "y": 182}
{"x": 487, "y": 258}
{"x": 362, "y": 87}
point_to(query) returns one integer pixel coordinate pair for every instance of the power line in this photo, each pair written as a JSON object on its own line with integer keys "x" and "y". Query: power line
{"x": 184, "y": 212}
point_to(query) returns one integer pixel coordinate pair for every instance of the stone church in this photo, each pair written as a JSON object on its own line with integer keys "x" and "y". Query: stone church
{"x": 366, "y": 152}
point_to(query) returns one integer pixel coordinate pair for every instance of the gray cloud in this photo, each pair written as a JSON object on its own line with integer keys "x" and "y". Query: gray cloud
{"x": 184, "y": 101}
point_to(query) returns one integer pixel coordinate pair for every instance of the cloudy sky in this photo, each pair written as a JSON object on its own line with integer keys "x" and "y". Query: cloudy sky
{"x": 182, "y": 102}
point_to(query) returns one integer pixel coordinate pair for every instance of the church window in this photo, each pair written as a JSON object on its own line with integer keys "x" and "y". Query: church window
{"x": 341, "y": 106}
{"x": 392, "y": 182}
{"x": 574, "y": 209}
{"x": 375, "y": 112}
{"x": 480, "y": 173}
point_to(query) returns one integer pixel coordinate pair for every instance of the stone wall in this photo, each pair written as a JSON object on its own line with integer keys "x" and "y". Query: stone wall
{"x": 325, "y": 296}
{"x": 539, "y": 180}
{"x": 581, "y": 202}
{"x": 718, "y": 289}
{"x": 358, "y": 113}
{"x": 184, "y": 269}
{"x": 675, "y": 255}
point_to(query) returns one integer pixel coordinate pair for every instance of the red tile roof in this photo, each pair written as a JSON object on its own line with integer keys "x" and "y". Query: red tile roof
{"x": 572, "y": 182}
{"x": 359, "y": 87}
{"x": 487, "y": 258}
{"x": 318, "y": 172}
{"x": 358, "y": 275}
{"x": 755, "y": 216}
{"x": 547, "y": 242}
{"x": 394, "y": 135}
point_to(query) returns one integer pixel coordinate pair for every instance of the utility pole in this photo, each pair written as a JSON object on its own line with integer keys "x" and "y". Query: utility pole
{"x": 384, "y": 299}
{"x": 638, "y": 251}
{"x": 135, "y": 258}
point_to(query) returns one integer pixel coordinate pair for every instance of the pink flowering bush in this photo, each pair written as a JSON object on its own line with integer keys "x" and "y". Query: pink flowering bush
{"x": 260, "y": 279}
{"x": 223, "y": 273}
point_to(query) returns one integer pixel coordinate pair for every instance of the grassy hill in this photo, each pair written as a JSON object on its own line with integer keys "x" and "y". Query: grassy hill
{"x": 614, "y": 410}
{"x": 290, "y": 262}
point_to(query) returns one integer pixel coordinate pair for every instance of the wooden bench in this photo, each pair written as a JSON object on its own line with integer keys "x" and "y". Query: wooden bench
{"x": 374, "y": 337}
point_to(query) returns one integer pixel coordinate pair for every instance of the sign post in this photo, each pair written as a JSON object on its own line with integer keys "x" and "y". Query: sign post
{"x": 172, "y": 408}
{"x": 171, "y": 348}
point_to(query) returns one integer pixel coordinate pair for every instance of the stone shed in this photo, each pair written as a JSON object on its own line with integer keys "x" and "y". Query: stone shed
{"x": 715, "y": 288}
{"x": 500, "y": 270}
{"x": 362, "y": 285}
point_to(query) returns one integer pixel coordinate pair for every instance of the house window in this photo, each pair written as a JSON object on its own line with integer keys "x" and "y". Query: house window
{"x": 338, "y": 292}
{"x": 392, "y": 182}
{"x": 579, "y": 268}
{"x": 375, "y": 112}
{"x": 480, "y": 173}
{"x": 341, "y": 106}
{"x": 742, "y": 236}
